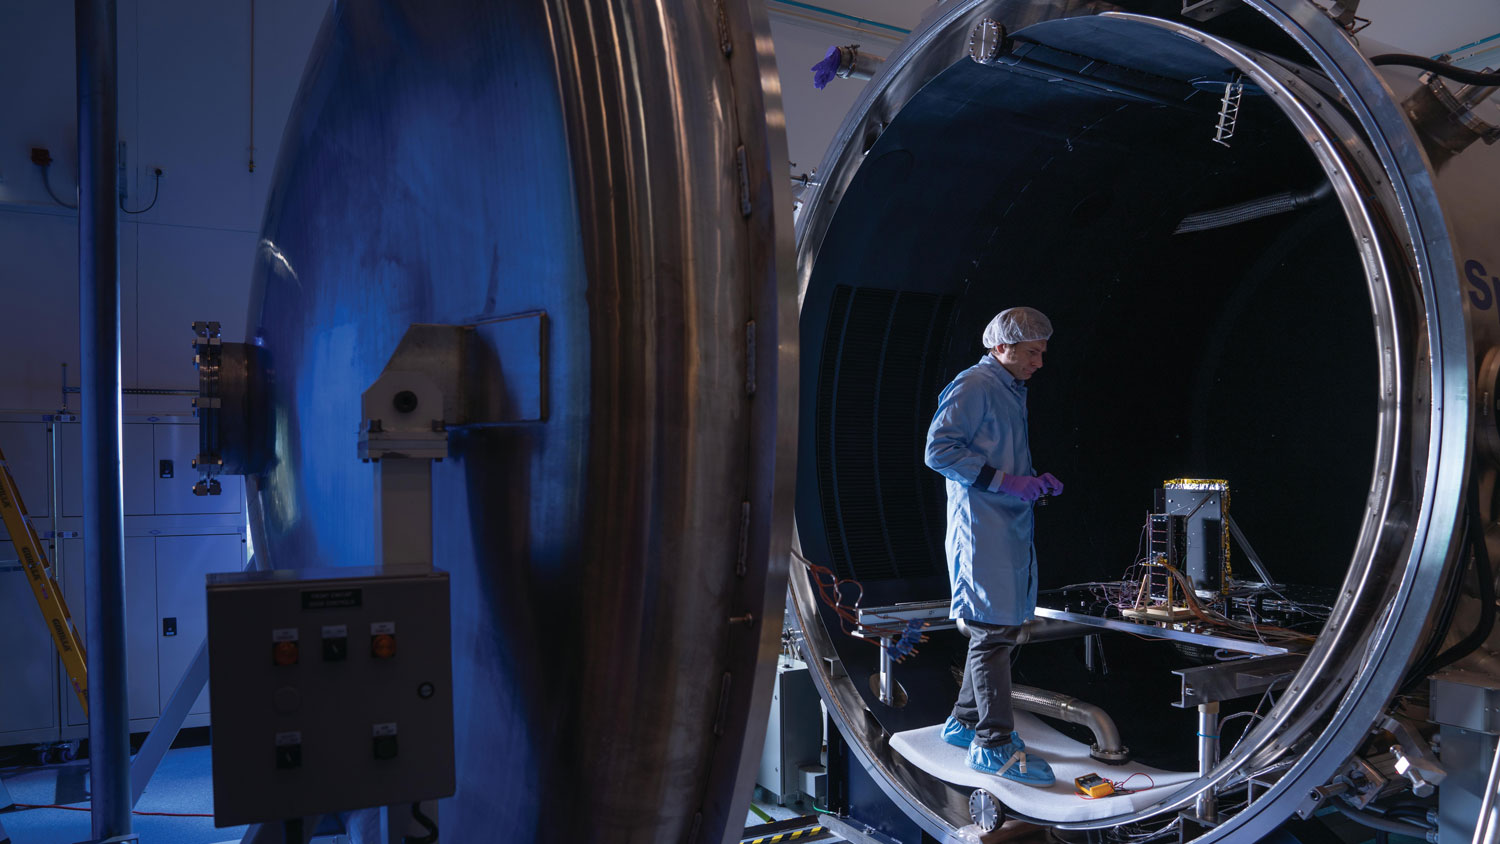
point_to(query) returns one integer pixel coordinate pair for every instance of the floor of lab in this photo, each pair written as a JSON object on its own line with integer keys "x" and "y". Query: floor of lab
{"x": 177, "y": 807}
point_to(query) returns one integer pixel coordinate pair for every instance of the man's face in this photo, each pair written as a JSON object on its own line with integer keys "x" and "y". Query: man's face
{"x": 1022, "y": 359}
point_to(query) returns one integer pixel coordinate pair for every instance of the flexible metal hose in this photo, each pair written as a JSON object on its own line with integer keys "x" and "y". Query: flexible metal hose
{"x": 1107, "y": 745}
{"x": 1243, "y": 212}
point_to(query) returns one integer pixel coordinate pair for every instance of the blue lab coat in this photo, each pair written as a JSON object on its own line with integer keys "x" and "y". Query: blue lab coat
{"x": 979, "y": 430}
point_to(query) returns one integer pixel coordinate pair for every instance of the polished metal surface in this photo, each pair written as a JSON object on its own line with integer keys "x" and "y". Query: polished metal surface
{"x": 1236, "y": 678}
{"x": 1107, "y": 746}
{"x": 1206, "y": 806}
{"x": 621, "y": 167}
{"x": 1061, "y": 624}
{"x": 1417, "y": 233}
{"x": 1050, "y": 623}
{"x": 1228, "y": 643}
{"x": 97, "y": 33}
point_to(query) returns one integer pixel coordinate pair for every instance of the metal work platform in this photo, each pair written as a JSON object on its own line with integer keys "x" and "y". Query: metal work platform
{"x": 877, "y": 622}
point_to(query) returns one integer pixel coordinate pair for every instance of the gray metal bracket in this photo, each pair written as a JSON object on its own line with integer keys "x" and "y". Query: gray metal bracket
{"x": 1235, "y": 679}
{"x": 1203, "y": 10}
{"x": 1254, "y": 558}
{"x": 1415, "y": 758}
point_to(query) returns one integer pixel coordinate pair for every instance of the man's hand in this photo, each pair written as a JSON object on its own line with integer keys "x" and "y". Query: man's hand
{"x": 1052, "y": 484}
{"x": 1024, "y": 487}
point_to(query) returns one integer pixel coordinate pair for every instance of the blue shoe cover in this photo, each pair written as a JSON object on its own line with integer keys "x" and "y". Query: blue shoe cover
{"x": 1011, "y": 761}
{"x": 956, "y": 734}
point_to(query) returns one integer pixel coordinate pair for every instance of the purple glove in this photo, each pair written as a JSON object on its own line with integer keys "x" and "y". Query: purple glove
{"x": 824, "y": 70}
{"x": 1024, "y": 487}
{"x": 1053, "y": 485}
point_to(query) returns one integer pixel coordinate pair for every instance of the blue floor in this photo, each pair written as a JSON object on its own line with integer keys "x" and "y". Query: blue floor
{"x": 181, "y": 789}
{"x": 182, "y": 786}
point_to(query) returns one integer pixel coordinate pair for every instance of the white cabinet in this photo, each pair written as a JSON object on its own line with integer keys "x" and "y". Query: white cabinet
{"x": 173, "y": 539}
{"x": 182, "y": 565}
{"x": 136, "y": 446}
{"x": 140, "y": 618}
{"x": 27, "y": 453}
{"x": 28, "y": 666}
{"x": 175, "y": 446}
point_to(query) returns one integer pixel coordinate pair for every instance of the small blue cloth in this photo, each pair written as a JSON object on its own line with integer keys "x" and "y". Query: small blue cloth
{"x": 1011, "y": 761}
{"x": 825, "y": 70}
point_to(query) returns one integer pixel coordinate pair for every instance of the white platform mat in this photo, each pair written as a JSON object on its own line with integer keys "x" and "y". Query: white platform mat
{"x": 926, "y": 749}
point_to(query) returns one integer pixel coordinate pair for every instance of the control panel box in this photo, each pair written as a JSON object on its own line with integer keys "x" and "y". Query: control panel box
{"x": 332, "y": 690}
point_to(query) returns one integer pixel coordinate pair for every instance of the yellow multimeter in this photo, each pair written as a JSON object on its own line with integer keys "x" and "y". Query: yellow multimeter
{"x": 1093, "y": 786}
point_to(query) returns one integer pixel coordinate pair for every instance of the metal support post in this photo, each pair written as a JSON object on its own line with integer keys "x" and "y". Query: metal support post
{"x": 99, "y": 330}
{"x": 1485, "y": 827}
{"x": 887, "y": 681}
{"x": 1093, "y": 655}
{"x": 1207, "y": 805}
{"x": 403, "y": 537}
{"x": 403, "y": 512}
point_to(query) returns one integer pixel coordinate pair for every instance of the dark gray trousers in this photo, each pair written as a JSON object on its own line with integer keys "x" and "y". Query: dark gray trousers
{"x": 984, "y": 698}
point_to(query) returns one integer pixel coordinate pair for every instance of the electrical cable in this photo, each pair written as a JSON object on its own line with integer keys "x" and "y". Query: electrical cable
{"x": 1444, "y": 621}
{"x": 427, "y": 823}
{"x": 1457, "y": 74}
{"x": 86, "y": 809}
{"x": 155, "y": 192}
{"x": 1486, "y": 577}
{"x": 1383, "y": 824}
{"x": 830, "y": 592}
{"x": 1416, "y": 816}
{"x": 47, "y": 183}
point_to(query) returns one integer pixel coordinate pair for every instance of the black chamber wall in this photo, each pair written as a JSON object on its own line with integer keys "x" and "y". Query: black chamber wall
{"x": 1245, "y": 353}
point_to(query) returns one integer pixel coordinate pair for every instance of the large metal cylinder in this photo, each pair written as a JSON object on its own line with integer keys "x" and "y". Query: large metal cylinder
{"x": 618, "y": 568}
{"x": 103, "y": 492}
{"x": 1321, "y": 357}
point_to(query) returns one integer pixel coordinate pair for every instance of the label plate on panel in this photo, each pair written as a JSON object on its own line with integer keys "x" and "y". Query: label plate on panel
{"x": 323, "y": 599}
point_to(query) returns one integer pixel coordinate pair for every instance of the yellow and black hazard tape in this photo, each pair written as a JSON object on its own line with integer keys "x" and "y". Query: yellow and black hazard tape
{"x": 794, "y": 835}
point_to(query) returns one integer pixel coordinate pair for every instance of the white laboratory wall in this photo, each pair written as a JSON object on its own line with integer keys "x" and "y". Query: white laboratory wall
{"x": 1430, "y": 28}
{"x": 801, "y": 34}
{"x": 188, "y": 100}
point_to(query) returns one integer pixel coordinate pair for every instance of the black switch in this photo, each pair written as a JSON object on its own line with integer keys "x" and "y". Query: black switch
{"x": 165, "y": 467}
{"x": 288, "y": 756}
{"x": 385, "y": 747}
{"x": 335, "y": 648}
{"x": 169, "y": 627}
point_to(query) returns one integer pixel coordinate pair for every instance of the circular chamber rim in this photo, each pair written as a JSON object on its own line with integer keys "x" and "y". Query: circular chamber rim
{"x": 1384, "y": 629}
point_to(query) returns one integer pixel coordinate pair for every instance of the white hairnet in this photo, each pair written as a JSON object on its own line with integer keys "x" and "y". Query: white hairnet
{"x": 1017, "y": 325}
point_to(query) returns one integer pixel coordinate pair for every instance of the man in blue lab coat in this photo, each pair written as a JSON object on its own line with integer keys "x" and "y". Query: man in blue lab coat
{"x": 978, "y": 441}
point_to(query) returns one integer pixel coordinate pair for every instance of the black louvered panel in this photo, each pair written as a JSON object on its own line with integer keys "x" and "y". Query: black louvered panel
{"x": 828, "y": 367}
{"x": 906, "y": 405}
{"x": 858, "y": 485}
{"x": 933, "y": 496}
{"x": 882, "y": 508}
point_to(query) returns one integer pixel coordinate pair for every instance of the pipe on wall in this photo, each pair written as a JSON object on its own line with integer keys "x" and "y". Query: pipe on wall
{"x": 95, "y": 27}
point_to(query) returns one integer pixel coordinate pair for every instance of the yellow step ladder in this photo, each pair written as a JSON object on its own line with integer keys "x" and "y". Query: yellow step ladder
{"x": 48, "y": 596}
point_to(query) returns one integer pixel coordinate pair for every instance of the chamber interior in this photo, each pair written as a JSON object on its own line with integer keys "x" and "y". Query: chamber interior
{"x": 1245, "y": 352}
